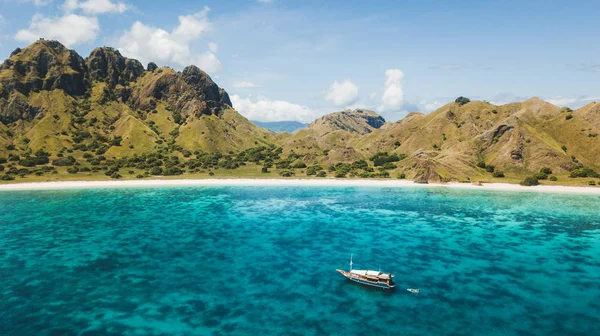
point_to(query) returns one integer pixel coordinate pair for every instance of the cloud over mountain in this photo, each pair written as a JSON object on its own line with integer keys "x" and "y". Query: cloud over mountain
{"x": 148, "y": 43}
{"x": 70, "y": 29}
{"x": 342, "y": 93}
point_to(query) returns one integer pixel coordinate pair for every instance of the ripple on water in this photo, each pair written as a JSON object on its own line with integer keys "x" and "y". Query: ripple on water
{"x": 262, "y": 260}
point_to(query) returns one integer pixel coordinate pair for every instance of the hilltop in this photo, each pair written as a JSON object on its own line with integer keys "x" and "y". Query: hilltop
{"x": 64, "y": 116}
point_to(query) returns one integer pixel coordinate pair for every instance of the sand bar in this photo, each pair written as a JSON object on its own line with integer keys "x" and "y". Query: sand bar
{"x": 289, "y": 183}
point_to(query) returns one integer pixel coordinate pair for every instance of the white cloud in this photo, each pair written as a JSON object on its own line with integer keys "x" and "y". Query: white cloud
{"x": 244, "y": 85}
{"x": 208, "y": 62}
{"x": 572, "y": 101}
{"x": 341, "y": 94}
{"x": 38, "y": 3}
{"x": 263, "y": 109}
{"x": 213, "y": 47}
{"x": 147, "y": 43}
{"x": 562, "y": 101}
{"x": 95, "y": 6}
{"x": 70, "y": 29}
{"x": 431, "y": 105}
{"x": 393, "y": 93}
{"x": 265, "y": 1}
{"x": 373, "y": 95}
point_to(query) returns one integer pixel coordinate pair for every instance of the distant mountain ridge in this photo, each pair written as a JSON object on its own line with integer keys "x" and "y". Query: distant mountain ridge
{"x": 281, "y": 126}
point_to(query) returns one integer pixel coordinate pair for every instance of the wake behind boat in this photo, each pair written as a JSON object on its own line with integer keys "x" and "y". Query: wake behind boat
{"x": 369, "y": 278}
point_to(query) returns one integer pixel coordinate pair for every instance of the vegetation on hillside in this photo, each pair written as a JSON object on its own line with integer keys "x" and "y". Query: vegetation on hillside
{"x": 61, "y": 114}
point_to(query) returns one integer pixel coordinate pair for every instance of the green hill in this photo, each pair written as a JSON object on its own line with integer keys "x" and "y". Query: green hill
{"x": 106, "y": 116}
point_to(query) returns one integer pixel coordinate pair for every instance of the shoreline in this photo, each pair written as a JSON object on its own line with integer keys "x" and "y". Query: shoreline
{"x": 290, "y": 183}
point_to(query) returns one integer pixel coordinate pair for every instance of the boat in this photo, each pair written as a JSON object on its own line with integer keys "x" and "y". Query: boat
{"x": 413, "y": 290}
{"x": 369, "y": 278}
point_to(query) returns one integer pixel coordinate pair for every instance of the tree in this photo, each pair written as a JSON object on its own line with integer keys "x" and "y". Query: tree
{"x": 401, "y": 176}
{"x": 530, "y": 181}
{"x": 116, "y": 141}
{"x": 388, "y": 166}
{"x": 64, "y": 161}
{"x": 462, "y": 100}
{"x": 156, "y": 171}
{"x": 286, "y": 173}
{"x": 584, "y": 172}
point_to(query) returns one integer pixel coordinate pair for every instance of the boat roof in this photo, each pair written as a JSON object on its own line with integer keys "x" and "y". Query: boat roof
{"x": 378, "y": 274}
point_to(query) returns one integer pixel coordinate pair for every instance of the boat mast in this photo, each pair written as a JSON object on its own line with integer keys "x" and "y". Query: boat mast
{"x": 351, "y": 262}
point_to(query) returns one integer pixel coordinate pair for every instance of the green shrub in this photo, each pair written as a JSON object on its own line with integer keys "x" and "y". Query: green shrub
{"x": 287, "y": 173}
{"x": 171, "y": 171}
{"x": 462, "y": 100}
{"x": 388, "y": 166}
{"x": 299, "y": 164}
{"x": 481, "y": 164}
{"x": 540, "y": 176}
{"x": 322, "y": 173}
{"x": 64, "y": 161}
{"x": 553, "y": 178}
{"x": 592, "y": 183}
{"x": 310, "y": 171}
{"x": 72, "y": 170}
{"x": 530, "y": 181}
{"x": 1, "y": 168}
{"x": 569, "y": 117}
{"x": 116, "y": 141}
{"x": 546, "y": 171}
{"x": 584, "y": 172}
{"x": 156, "y": 171}
{"x": 401, "y": 176}
{"x": 564, "y": 148}
{"x": 498, "y": 174}
{"x": 115, "y": 175}
{"x": 360, "y": 164}
{"x": 264, "y": 170}
{"x": 490, "y": 168}
{"x": 340, "y": 174}
{"x": 7, "y": 177}
{"x": 2, "y": 160}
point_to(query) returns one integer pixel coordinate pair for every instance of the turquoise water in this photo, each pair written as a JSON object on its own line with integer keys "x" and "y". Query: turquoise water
{"x": 262, "y": 260}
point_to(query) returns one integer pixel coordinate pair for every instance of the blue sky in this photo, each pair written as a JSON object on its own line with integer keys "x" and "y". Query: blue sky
{"x": 297, "y": 60}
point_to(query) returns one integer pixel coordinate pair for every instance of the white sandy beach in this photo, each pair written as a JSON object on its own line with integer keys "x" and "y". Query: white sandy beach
{"x": 291, "y": 182}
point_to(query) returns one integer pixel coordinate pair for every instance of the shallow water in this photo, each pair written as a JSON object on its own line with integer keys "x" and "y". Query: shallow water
{"x": 262, "y": 260}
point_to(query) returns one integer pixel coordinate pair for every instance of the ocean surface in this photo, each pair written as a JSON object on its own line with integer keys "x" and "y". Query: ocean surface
{"x": 262, "y": 260}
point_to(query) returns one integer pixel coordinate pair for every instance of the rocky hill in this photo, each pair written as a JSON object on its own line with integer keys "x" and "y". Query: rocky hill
{"x": 63, "y": 116}
{"x": 53, "y": 99}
